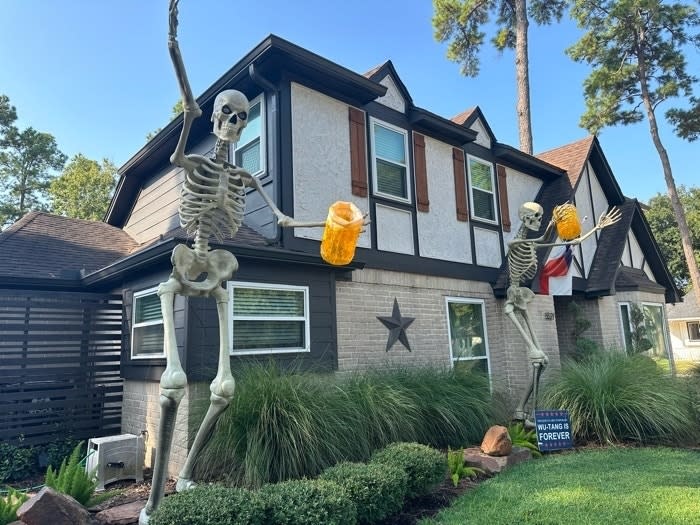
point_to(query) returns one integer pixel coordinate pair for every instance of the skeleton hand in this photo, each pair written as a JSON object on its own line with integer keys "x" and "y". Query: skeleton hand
{"x": 172, "y": 33}
{"x": 609, "y": 218}
{"x": 366, "y": 221}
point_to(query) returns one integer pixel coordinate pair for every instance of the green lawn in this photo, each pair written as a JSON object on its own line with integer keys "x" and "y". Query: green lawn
{"x": 608, "y": 486}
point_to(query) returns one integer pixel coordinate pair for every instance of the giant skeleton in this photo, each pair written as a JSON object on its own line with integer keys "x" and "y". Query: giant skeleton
{"x": 212, "y": 203}
{"x": 522, "y": 267}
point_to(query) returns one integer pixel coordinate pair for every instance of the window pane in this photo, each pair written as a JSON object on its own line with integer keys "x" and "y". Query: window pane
{"x": 654, "y": 321}
{"x": 254, "y": 126}
{"x": 626, "y": 330}
{"x": 479, "y": 366}
{"x": 481, "y": 175}
{"x": 148, "y": 340}
{"x": 262, "y": 302}
{"x": 391, "y": 179}
{"x": 483, "y": 205}
{"x": 147, "y": 308}
{"x": 389, "y": 144}
{"x": 248, "y": 157}
{"x": 467, "y": 330}
{"x": 694, "y": 331}
{"x": 252, "y": 335}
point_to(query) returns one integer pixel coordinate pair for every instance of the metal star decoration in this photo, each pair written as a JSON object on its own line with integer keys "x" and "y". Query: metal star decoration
{"x": 397, "y": 327}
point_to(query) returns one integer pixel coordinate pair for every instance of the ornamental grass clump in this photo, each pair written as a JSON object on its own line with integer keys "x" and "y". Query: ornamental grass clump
{"x": 613, "y": 398}
{"x": 71, "y": 478}
{"x": 209, "y": 504}
{"x": 9, "y": 503}
{"x": 425, "y": 466}
{"x": 377, "y": 490}
{"x": 308, "y": 502}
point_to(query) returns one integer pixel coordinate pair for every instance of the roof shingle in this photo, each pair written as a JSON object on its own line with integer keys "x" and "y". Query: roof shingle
{"x": 570, "y": 157}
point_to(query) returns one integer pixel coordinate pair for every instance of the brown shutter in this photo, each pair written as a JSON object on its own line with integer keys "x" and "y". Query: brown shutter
{"x": 358, "y": 152}
{"x": 460, "y": 184}
{"x": 421, "y": 172}
{"x": 503, "y": 197}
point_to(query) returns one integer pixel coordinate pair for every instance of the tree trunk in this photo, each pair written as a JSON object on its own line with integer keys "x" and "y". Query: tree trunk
{"x": 522, "y": 77}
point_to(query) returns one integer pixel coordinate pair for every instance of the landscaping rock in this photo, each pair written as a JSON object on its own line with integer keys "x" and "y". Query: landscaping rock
{"x": 496, "y": 441}
{"x": 474, "y": 457}
{"x": 123, "y": 514}
{"x": 17, "y": 523}
{"x": 49, "y": 506}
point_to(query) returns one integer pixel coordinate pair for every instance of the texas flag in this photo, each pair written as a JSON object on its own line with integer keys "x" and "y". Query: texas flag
{"x": 555, "y": 277}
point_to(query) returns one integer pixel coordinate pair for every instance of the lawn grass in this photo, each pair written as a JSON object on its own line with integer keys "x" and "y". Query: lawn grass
{"x": 610, "y": 486}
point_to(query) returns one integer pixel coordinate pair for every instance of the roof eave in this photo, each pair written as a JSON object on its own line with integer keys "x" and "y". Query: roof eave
{"x": 544, "y": 169}
{"x": 440, "y": 127}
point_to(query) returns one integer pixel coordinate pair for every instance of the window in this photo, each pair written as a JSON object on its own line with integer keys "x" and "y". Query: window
{"x": 269, "y": 318}
{"x": 626, "y": 326}
{"x": 644, "y": 329}
{"x": 147, "y": 326}
{"x": 694, "y": 331}
{"x": 482, "y": 194}
{"x": 249, "y": 152}
{"x": 467, "y": 331}
{"x": 390, "y": 161}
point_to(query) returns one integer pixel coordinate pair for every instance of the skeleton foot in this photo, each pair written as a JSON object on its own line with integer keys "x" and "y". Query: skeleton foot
{"x": 184, "y": 484}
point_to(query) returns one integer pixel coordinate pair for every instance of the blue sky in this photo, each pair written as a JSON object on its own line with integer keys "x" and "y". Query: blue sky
{"x": 97, "y": 75}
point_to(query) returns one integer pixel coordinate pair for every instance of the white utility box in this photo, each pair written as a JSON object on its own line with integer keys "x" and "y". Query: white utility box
{"x": 115, "y": 458}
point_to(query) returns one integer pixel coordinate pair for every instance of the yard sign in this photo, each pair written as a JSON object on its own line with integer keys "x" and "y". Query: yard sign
{"x": 553, "y": 430}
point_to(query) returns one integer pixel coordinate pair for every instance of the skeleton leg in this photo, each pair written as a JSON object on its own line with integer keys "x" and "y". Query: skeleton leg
{"x": 521, "y": 412}
{"x": 222, "y": 388}
{"x": 172, "y": 390}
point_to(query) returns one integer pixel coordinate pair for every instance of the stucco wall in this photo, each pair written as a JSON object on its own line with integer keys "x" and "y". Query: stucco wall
{"x": 683, "y": 349}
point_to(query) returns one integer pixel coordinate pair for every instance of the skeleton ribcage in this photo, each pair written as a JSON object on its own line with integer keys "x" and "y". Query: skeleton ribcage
{"x": 212, "y": 201}
{"x": 522, "y": 263}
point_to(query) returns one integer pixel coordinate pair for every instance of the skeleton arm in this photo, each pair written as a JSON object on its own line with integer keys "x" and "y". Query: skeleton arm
{"x": 605, "y": 220}
{"x": 190, "y": 108}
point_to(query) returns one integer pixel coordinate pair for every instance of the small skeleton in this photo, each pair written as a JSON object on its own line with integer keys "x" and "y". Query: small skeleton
{"x": 522, "y": 267}
{"x": 212, "y": 203}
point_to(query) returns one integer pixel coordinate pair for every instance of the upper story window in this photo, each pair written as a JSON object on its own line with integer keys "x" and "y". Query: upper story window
{"x": 249, "y": 152}
{"x": 467, "y": 330}
{"x": 269, "y": 318}
{"x": 147, "y": 325}
{"x": 390, "y": 161}
{"x": 482, "y": 193}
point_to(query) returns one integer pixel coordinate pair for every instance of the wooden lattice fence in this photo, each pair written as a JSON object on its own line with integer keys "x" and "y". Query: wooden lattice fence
{"x": 59, "y": 365}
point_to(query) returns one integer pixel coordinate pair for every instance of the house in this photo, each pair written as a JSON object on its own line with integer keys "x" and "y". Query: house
{"x": 684, "y": 326}
{"x": 443, "y": 197}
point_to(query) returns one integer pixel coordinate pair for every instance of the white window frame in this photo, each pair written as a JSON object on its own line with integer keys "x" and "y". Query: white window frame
{"x": 373, "y": 121}
{"x": 642, "y": 304}
{"x": 664, "y": 325}
{"x": 471, "y": 190}
{"x": 692, "y": 342}
{"x": 482, "y": 304}
{"x": 260, "y": 99}
{"x": 622, "y": 323}
{"x": 134, "y": 324}
{"x": 268, "y": 286}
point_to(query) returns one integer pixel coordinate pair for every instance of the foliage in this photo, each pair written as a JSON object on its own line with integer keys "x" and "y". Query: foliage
{"x": 377, "y": 490}
{"x": 520, "y": 437}
{"x": 308, "y": 502}
{"x": 614, "y": 398}
{"x": 425, "y": 466}
{"x": 16, "y": 462}
{"x": 583, "y": 346}
{"x": 28, "y": 159}
{"x": 663, "y": 224}
{"x": 640, "y": 331}
{"x": 71, "y": 477}
{"x": 456, "y": 467}
{"x": 9, "y": 504}
{"x": 611, "y": 485}
{"x": 84, "y": 188}
{"x": 289, "y": 425}
{"x": 205, "y": 505}
{"x": 177, "y": 108}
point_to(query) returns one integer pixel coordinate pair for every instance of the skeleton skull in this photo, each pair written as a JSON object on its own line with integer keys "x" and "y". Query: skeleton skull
{"x": 531, "y": 215}
{"x": 230, "y": 115}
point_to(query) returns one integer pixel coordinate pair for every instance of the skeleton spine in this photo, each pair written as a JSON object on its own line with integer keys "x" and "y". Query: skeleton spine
{"x": 201, "y": 237}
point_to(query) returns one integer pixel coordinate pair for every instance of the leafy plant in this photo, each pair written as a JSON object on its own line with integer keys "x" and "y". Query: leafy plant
{"x": 584, "y": 346}
{"x": 56, "y": 451}
{"x": 209, "y": 504}
{"x": 520, "y": 437}
{"x": 16, "y": 462}
{"x": 615, "y": 398}
{"x": 458, "y": 470}
{"x": 308, "y": 502}
{"x": 71, "y": 478}
{"x": 425, "y": 466}
{"x": 377, "y": 490}
{"x": 9, "y": 504}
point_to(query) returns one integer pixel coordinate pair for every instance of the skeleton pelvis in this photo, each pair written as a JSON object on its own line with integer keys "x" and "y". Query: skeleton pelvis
{"x": 217, "y": 266}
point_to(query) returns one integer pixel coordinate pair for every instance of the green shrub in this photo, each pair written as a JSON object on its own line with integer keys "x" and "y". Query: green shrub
{"x": 456, "y": 467}
{"x": 71, "y": 477}
{"x": 377, "y": 490}
{"x": 55, "y": 452}
{"x": 615, "y": 398}
{"x": 308, "y": 502}
{"x": 16, "y": 462}
{"x": 524, "y": 438}
{"x": 425, "y": 466}
{"x": 9, "y": 504}
{"x": 206, "y": 505}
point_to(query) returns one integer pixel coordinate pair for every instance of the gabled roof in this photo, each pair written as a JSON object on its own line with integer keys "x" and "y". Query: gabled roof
{"x": 688, "y": 309}
{"x": 570, "y": 157}
{"x": 42, "y": 246}
{"x": 467, "y": 117}
{"x": 388, "y": 69}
